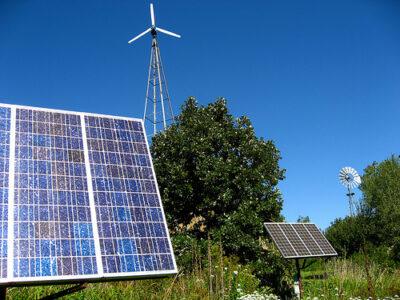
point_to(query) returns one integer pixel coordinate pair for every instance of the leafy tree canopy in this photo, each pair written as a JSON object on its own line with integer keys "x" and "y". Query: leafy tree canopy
{"x": 302, "y": 219}
{"x": 345, "y": 235}
{"x": 381, "y": 199}
{"x": 216, "y": 176}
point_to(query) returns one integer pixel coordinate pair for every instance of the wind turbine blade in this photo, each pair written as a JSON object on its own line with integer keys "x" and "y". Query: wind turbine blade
{"x": 167, "y": 32}
{"x": 153, "y": 19}
{"x": 139, "y": 36}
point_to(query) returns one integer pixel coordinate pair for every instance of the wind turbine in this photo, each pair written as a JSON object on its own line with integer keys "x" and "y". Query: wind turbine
{"x": 157, "y": 90}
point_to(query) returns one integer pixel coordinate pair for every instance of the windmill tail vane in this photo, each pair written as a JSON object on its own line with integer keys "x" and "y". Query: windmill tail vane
{"x": 158, "y": 108}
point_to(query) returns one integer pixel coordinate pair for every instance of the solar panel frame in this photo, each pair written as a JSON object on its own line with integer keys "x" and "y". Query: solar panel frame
{"x": 11, "y": 280}
{"x": 281, "y": 240}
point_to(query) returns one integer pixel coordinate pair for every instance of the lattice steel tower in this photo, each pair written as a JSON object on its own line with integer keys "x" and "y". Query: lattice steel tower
{"x": 157, "y": 108}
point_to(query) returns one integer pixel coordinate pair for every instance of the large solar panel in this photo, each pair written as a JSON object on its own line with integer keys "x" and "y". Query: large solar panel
{"x": 78, "y": 199}
{"x": 299, "y": 240}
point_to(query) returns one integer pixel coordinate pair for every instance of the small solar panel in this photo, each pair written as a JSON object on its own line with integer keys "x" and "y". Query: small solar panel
{"x": 79, "y": 199}
{"x": 299, "y": 240}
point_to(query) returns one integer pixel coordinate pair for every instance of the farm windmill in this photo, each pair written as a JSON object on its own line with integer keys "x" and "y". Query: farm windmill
{"x": 158, "y": 109}
{"x": 350, "y": 179}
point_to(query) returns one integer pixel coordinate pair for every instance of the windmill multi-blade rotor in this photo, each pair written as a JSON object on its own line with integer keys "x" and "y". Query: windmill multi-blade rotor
{"x": 153, "y": 29}
{"x": 349, "y": 177}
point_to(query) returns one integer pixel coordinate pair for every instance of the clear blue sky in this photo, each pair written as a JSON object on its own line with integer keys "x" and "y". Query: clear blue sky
{"x": 320, "y": 78}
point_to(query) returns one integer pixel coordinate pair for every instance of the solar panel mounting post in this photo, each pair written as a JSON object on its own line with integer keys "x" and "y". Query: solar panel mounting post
{"x": 66, "y": 292}
{"x": 298, "y": 278}
{"x": 3, "y": 292}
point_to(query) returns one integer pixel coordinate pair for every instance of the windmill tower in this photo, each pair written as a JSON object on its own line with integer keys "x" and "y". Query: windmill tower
{"x": 350, "y": 179}
{"x": 157, "y": 108}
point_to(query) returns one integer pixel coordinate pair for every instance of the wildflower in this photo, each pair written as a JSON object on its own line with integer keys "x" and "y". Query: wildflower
{"x": 235, "y": 273}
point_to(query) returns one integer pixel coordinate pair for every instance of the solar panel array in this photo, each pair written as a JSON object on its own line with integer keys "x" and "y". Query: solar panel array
{"x": 299, "y": 240}
{"x": 78, "y": 198}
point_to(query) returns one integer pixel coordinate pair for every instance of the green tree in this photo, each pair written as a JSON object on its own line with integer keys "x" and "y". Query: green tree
{"x": 381, "y": 201}
{"x": 302, "y": 219}
{"x": 345, "y": 235}
{"x": 217, "y": 177}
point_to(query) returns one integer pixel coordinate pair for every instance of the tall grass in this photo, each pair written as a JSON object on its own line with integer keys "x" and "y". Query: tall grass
{"x": 191, "y": 287}
{"x": 220, "y": 277}
{"x": 347, "y": 278}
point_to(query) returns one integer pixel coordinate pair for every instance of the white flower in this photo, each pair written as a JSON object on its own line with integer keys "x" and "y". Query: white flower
{"x": 257, "y": 296}
{"x": 235, "y": 273}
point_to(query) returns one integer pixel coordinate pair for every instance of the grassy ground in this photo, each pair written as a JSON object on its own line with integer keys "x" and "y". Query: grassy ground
{"x": 348, "y": 279}
{"x": 195, "y": 285}
{"x": 141, "y": 289}
{"x": 345, "y": 279}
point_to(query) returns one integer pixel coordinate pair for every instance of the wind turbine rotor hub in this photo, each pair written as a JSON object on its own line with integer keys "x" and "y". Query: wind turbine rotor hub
{"x": 349, "y": 177}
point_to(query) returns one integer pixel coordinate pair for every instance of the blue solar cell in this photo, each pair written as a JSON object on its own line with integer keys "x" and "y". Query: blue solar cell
{"x": 53, "y": 233}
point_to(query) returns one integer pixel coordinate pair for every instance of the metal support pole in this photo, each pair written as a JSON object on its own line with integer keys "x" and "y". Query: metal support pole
{"x": 66, "y": 292}
{"x": 3, "y": 292}
{"x": 298, "y": 278}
